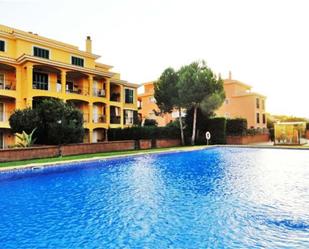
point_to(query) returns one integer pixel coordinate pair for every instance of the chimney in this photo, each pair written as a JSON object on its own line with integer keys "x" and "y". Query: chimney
{"x": 88, "y": 45}
{"x": 230, "y": 75}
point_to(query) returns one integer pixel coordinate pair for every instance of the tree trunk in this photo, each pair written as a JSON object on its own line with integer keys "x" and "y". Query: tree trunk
{"x": 181, "y": 128}
{"x": 194, "y": 126}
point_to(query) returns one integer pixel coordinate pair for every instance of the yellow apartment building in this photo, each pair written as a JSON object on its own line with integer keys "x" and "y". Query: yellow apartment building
{"x": 240, "y": 102}
{"x": 32, "y": 66}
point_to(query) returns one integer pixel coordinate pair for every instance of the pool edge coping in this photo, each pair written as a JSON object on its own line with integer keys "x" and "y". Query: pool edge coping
{"x": 141, "y": 152}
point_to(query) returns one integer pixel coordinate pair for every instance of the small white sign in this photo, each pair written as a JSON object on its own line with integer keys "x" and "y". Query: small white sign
{"x": 208, "y": 135}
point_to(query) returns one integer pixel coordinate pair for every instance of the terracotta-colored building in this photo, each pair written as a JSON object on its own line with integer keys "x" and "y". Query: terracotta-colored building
{"x": 147, "y": 106}
{"x": 241, "y": 102}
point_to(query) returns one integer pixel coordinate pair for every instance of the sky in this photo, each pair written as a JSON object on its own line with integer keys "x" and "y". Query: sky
{"x": 264, "y": 43}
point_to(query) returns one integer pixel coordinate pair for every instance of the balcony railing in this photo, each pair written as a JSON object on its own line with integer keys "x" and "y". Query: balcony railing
{"x": 99, "y": 92}
{"x": 78, "y": 90}
{"x": 7, "y": 85}
{"x": 5, "y": 116}
{"x": 40, "y": 85}
{"x": 115, "y": 119}
{"x": 99, "y": 119}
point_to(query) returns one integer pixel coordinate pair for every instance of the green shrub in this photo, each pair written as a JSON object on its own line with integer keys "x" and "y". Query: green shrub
{"x": 145, "y": 132}
{"x": 237, "y": 126}
{"x": 150, "y": 122}
{"x": 217, "y": 129}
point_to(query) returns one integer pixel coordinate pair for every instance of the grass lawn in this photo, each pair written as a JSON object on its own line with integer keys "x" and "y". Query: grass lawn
{"x": 90, "y": 156}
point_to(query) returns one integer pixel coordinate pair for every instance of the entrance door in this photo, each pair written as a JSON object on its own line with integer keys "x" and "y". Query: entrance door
{"x": 1, "y": 112}
{"x": 1, "y": 140}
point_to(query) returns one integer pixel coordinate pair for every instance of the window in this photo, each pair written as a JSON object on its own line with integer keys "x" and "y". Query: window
{"x": 264, "y": 118}
{"x": 77, "y": 61}
{"x": 41, "y": 52}
{"x": 263, "y": 104}
{"x": 129, "y": 96}
{"x": 227, "y": 101}
{"x": 128, "y": 117}
{"x": 257, "y": 103}
{"x": 2, "y": 46}
{"x": 40, "y": 81}
{"x": 1, "y": 81}
{"x": 258, "y": 118}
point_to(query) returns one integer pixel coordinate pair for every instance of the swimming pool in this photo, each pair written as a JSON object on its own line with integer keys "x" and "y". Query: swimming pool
{"x": 214, "y": 198}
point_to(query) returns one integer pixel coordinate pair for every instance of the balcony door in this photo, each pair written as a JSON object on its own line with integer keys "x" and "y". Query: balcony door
{"x": 1, "y": 140}
{"x": 95, "y": 114}
{"x": 1, "y": 112}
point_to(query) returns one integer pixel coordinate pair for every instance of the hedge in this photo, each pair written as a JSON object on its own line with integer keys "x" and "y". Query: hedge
{"x": 237, "y": 126}
{"x": 217, "y": 129}
{"x": 135, "y": 133}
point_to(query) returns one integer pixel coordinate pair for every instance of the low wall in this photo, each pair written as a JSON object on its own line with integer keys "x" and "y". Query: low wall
{"x": 28, "y": 153}
{"x": 164, "y": 143}
{"x": 249, "y": 139}
{"x": 145, "y": 144}
{"x": 90, "y": 148}
{"x": 16, "y": 154}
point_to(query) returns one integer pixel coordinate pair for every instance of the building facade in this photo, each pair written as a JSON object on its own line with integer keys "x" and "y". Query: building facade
{"x": 241, "y": 102}
{"x": 147, "y": 107}
{"x": 32, "y": 66}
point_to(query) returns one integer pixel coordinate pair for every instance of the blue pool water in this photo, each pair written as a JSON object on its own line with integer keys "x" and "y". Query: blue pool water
{"x": 217, "y": 198}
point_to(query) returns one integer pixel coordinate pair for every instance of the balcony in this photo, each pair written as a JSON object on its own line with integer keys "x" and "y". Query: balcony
{"x": 78, "y": 90}
{"x": 115, "y": 119}
{"x": 129, "y": 121}
{"x": 7, "y": 85}
{"x": 4, "y": 119}
{"x": 86, "y": 117}
{"x": 115, "y": 91}
{"x": 115, "y": 97}
{"x": 99, "y": 92}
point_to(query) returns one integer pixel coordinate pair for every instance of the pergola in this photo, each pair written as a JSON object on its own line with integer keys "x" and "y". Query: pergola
{"x": 290, "y": 133}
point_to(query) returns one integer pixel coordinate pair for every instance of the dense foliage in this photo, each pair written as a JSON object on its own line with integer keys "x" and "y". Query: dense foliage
{"x": 217, "y": 129}
{"x": 24, "y": 120}
{"x": 145, "y": 132}
{"x": 56, "y": 122}
{"x": 237, "y": 126}
{"x": 167, "y": 95}
{"x": 150, "y": 122}
{"x": 200, "y": 88}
